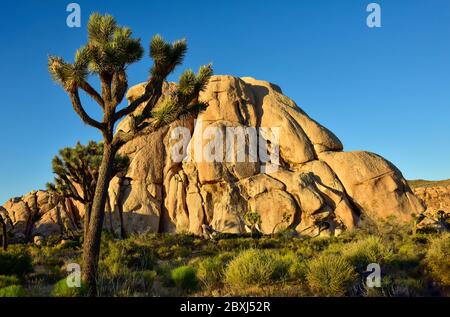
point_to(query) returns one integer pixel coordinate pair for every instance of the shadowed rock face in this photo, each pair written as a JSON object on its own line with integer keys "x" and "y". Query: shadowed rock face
{"x": 319, "y": 187}
{"x": 315, "y": 188}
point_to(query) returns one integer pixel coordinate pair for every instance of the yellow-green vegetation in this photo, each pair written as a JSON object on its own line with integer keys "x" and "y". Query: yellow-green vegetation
{"x": 185, "y": 277}
{"x": 424, "y": 183}
{"x": 12, "y": 291}
{"x": 61, "y": 289}
{"x": 330, "y": 275}
{"x": 6, "y": 280}
{"x": 15, "y": 262}
{"x": 276, "y": 265}
{"x": 369, "y": 250}
{"x": 255, "y": 267}
{"x": 438, "y": 258}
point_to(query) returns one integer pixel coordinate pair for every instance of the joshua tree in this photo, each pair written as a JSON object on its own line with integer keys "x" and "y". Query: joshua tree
{"x": 3, "y": 235}
{"x": 110, "y": 49}
{"x": 253, "y": 221}
{"x": 76, "y": 172}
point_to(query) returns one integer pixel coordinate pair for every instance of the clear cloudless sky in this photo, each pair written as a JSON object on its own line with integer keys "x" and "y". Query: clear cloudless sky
{"x": 385, "y": 90}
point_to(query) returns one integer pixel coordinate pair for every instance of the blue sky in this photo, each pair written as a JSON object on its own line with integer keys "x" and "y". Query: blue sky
{"x": 385, "y": 90}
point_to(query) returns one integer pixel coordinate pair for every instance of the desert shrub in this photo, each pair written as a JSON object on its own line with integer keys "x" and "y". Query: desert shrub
{"x": 185, "y": 277}
{"x": 61, "y": 289}
{"x": 437, "y": 259}
{"x": 330, "y": 275}
{"x": 12, "y": 291}
{"x": 69, "y": 244}
{"x": 128, "y": 284}
{"x": 127, "y": 255}
{"x": 148, "y": 278}
{"x": 297, "y": 269}
{"x": 15, "y": 262}
{"x": 369, "y": 250}
{"x": 255, "y": 267}
{"x": 210, "y": 270}
{"x": 406, "y": 260}
{"x": 232, "y": 244}
{"x": 8, "y": 280}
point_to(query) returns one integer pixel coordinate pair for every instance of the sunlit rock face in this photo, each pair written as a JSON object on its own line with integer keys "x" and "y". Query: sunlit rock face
{"x": 40, "y": 214}
{"x": 253, "y": 151}
{"x": 311, "y": 186}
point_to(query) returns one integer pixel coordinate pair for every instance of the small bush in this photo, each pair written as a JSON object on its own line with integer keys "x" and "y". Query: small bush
{"x": 127, "y": 255}
{"x": 330, "y": 275}
{"x": 15, "y": 262}
{"x": 61, "y": 289}
{"x": 297, "y": 270}
{"x": 438, "y": 259}
{"x": 185, "y": 277}
{"x": 8, "y": 281}
{"x": 211, "y": 269}
{"x": 12, "y": 291}
{"x": 366, "y": 251}
{"x": 255, "y": 267}
{"x": 69, "y": 244}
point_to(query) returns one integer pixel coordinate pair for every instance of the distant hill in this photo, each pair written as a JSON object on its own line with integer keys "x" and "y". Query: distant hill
{"x": 415, "y": 183}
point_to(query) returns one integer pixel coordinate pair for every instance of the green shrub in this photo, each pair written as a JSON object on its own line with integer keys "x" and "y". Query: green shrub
{"x": 438, "y": 259}
{"x": 12, "y": 291}
{"x": 330, "y": 275}
{"x": 61, "y": 289}
{"x": 127, "y": 255}
{"x": 185, "y": 277}
{"x": 138, "y": 283}
{"x": 69, "y": 244}
{"x": 297, "y": 270}
{"x": 8, "y": 280}
{"x": 255, "y": 267}
{"x": 211, "y": 269}
{"x": 366, "y": 251}
{"x": 15, "y": 262}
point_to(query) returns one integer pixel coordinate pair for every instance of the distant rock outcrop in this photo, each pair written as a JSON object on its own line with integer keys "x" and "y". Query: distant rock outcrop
{"x": 40, "y": 214}
{"x": 313, "y": 187}
{"x": 436, "y": 196}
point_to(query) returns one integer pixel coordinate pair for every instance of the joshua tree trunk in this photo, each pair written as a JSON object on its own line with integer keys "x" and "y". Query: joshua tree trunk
{"x": 87, "y": 215}
{"x": 4, "y": 236}
{"x": 91, "y": 247}
{"x": 107, "y": 54}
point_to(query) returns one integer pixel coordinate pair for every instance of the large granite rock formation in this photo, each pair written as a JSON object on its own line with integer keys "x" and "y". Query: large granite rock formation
{"x": 311, "y": 186}
{"x": 317, "y": 185}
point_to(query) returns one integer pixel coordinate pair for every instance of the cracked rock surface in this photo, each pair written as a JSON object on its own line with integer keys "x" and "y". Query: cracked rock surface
{"x": 316, "y": 188}
{"x": 323, "y": 189}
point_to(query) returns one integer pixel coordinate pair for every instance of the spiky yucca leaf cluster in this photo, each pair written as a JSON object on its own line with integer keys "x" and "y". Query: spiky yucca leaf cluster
{"x": 166, "y": 56}
{"x": 109, "y": 50}
{"x": 111, "y": 46}
{"x": 184, "y": 100}
{"x": 77, "y": 170}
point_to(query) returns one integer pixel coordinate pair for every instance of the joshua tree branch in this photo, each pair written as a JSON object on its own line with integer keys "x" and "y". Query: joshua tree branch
{"x": 76, "y": 103}
{"x": 153, "y": 90}
{"x": 92, "y": 92}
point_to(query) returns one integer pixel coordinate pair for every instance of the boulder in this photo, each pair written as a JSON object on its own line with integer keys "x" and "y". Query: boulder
{"x": 324, "y": 189}
{"x": 252, "y": 150}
